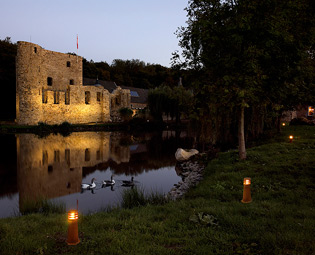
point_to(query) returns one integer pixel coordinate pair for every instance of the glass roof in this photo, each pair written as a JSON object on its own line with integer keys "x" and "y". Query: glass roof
{"x": 134, "y": 93}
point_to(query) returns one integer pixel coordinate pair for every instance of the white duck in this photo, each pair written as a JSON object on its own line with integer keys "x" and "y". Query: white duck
{"x": 128, "y": 183}
{"x": 89, "y": 186}
{"x": 110, "y": 182}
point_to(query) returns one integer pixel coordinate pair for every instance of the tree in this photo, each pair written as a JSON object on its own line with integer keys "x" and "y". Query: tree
{"x": 247, "y": 52}
{"x": 7, "y": 78}
{"x": 126, "y": 114}
{"x": 171, "y": 102}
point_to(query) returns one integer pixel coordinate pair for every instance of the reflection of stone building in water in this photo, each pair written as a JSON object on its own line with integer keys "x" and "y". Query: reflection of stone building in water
{"x": 49, "y": 89}
{"x": 52, "y": 166}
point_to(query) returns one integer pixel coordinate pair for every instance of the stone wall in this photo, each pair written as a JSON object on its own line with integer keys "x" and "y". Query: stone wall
{"x": 49, "y": 89}
{"x": 120, "y": 98}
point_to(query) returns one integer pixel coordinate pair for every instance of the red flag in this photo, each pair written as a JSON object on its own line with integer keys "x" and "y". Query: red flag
{"x": 77, "y": 42}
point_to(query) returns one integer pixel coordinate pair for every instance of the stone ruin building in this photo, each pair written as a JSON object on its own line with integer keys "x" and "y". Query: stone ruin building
{"x": 49, "y": 89}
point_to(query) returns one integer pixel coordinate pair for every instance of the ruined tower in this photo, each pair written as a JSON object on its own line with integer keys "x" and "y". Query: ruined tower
{"x": 28, "y": 83}
{"x": 49, "y": 89}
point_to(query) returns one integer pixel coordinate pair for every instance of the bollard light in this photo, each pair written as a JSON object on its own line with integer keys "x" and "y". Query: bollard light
{"x": 246, "y": 192}
{"x": 283, "y": 124}
{"x": 73, "y": 232}
{"x": 291, "y": 138}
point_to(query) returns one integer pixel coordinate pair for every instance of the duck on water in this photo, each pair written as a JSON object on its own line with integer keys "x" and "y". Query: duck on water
{"x": 110, "y": 182}
{"x": 128, "y": 183}
{"x": 91, "y": 185}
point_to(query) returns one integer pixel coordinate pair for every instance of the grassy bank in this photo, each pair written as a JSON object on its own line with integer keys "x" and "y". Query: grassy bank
{"x": 210, "y": 220}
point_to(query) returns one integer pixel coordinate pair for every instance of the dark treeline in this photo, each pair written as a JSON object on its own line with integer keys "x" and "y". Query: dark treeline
{"x": 7, "y": 79}
{"x": 134, "y": 73}
{"x": 131, "y": 73}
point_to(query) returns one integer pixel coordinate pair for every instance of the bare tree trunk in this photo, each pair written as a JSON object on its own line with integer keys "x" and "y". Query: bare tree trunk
{"x": 241, "y": 135}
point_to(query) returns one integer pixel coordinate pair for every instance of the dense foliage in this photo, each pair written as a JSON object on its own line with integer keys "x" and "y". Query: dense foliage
{"x": 125, "y": 113}
{"x": 132, "y": 73}
{"x": 7, "y": 78}
{"x": 253, "y": 59}
{"x": 170, "y": 102}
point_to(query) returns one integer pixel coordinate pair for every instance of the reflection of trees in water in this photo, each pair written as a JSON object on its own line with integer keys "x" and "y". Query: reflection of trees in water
{"x": 136, "y": 153}
{"x": 157, "y": 151}
{"x": 163, "y": 148}
{"x": 8, "y": 172}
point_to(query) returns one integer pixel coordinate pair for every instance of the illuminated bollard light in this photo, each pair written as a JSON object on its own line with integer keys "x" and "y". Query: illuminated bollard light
{"x": 291, "y": 138}
{"x": 73, "y": 233}
{"x": 246, "y": 192}
{"x": 283, "y": 124}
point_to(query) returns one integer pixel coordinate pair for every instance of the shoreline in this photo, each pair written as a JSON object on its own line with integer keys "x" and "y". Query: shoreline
{"x": 192, "y": 172}
{"x": 7, "y": 127}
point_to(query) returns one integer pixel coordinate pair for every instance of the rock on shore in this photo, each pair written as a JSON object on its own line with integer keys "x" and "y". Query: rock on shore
{"x": 191, "y": 172}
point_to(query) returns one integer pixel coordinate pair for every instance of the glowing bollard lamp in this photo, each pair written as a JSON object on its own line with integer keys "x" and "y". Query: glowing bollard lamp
{"x": 73, "y": 233}
{"x": 291, "y": 138}
{"x": 246, "y": 193}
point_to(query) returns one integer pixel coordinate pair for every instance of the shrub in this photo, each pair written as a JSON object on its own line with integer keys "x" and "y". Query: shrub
{"x": 126, "y": 113}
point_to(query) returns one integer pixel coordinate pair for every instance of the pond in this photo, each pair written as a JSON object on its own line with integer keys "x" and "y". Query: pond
{"x": 54, "y": 167}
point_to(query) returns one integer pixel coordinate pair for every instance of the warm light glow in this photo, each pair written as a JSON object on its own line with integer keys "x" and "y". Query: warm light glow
{"x": 247, "y": 198}
{"x": 73, "y": 230}
{"x": 291, "y": 137}
{"x": 310, "y": 111}
{"x": 73, "y": 215}
{"x": 246, "y": 181}
{"x": 283, "y": 124}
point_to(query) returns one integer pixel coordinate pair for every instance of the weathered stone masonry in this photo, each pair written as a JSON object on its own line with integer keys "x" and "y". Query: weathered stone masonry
{"x": 49, "y": 89}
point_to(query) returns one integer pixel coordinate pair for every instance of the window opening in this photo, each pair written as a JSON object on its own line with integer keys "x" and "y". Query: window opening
{"x": 98, "y": 95}
{"x": 44, "y": 96}
{"x": 56, "y": 97}
{"x": 67, "y": 96}
{"x": 35, "y": 49}
{"x": 57, "y": 156}
{"x": 45, "y": 157}
{"x": 67, "y": 156}
{"x": 49, "y": 81}
{"x": 50, "y": 169}
{"x": 87, "y": 155}
{"x": 117, "y": 100}
{"x": 71, "y": 82}
{"x": 87, "y": 97}
{"x": 68, "y": 64}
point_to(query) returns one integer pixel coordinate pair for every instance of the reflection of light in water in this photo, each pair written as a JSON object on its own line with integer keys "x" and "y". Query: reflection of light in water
{"x": 54, "y": 167}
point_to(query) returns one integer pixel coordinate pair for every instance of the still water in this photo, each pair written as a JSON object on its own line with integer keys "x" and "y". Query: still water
{"x": 54, "y": 167}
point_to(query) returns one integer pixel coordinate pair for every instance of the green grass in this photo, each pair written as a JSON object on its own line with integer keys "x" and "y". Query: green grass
{"x": 41, "y": 205}
{"x": 211, "y": 218}
{"x": 136, "y": 197}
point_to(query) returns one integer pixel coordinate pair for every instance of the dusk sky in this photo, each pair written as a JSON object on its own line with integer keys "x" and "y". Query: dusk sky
{"x": 107, "y": 29}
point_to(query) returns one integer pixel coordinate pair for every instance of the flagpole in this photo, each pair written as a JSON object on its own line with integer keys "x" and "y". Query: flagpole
{"x": 77, "y": 47}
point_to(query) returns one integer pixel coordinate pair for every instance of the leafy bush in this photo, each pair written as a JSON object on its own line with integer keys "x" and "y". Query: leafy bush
{"x": 126, "y": 113}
